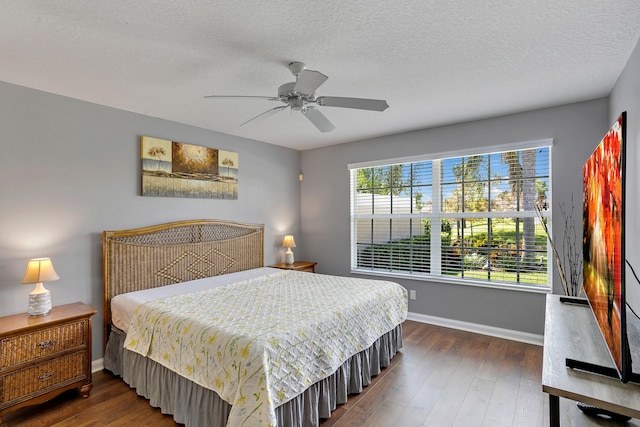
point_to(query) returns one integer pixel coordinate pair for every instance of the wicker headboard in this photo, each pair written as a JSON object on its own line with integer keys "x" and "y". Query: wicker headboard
{"x": 150, "y": 257}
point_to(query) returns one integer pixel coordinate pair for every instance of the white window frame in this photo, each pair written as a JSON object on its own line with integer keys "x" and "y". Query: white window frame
{"x": 437, "y": 215}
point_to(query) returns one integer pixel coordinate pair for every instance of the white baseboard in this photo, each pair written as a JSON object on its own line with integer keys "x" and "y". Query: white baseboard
{"x": 508, "y": 334}
{"x": 97, "y": 365}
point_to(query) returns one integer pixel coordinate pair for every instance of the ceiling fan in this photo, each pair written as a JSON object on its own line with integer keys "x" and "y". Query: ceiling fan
{"x": 299, "y": 96}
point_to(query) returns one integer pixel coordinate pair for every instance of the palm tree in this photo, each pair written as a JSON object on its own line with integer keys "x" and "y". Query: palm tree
{"x": 468, "y": 178}
{"x": 515, "y": 172}
{"x": 524, "y": 190}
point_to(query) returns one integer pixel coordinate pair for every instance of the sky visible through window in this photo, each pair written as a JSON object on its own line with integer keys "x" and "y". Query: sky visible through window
{"x": 499, "y": 172}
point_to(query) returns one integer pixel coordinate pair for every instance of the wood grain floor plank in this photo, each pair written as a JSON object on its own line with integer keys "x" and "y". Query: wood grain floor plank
{"x": 504, "y": 397}
{"x": 529, "y": 410}
{"x": 417, "y": 411}
{"x": 385, "y": 414}
{"x": 490, "y": 367}
{"x": 490, "y": 423}
{"x": 474, "y": 406}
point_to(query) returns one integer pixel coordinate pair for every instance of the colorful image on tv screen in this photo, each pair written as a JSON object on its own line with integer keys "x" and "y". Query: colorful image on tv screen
{"x": 603, "y": 238}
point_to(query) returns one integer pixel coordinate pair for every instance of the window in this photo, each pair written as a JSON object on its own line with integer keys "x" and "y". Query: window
{"x": 467, "y": 218}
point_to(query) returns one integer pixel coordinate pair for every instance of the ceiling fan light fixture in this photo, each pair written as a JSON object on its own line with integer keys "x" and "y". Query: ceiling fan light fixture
{"x": 296, "y": 104}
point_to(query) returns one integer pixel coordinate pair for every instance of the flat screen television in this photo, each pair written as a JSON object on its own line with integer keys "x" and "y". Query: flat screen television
{"x": 604, "y": 243}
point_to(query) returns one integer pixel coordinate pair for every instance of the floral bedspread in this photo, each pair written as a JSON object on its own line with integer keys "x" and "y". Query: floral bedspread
{"x": 261, "y": 342}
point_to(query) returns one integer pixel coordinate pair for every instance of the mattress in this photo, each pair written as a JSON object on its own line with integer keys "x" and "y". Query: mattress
{"x": 123, "y": 305}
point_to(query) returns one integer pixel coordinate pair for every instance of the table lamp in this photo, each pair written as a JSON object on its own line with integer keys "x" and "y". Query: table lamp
{"x": 288, "y": 243}
{"x": 39, "y": 270}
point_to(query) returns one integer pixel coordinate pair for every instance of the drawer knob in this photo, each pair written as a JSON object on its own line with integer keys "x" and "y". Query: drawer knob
{"x": 46, "y": 376}
{"x": 46, "y": 344}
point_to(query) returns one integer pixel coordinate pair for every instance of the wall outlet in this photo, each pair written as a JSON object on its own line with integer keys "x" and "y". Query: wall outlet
{"x": 412, "y": 294}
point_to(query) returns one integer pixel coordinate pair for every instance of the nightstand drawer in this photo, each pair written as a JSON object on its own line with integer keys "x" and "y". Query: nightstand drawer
{"x": 33, "y": 381}
{"x": 31, "y": 346}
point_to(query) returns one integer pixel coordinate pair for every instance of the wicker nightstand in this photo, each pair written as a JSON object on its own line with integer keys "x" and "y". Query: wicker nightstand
{"x": 40, "y": 357}
{"x": 298, "y": 266}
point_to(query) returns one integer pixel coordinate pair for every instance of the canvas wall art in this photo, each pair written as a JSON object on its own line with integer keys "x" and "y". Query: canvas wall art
{"x": 176, "y": 169}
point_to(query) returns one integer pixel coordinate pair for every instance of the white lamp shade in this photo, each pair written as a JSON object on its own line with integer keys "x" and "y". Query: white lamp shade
{"x": 288, "y": 242}
{"x": 39, "y": 270}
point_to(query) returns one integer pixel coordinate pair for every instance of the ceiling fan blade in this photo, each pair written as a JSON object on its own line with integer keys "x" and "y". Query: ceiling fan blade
{"x": 270, "y": 98}
{"x": 358, "y": 103}
{"x": 318, "y": 119}
{"x": 266, "y": 114}
{"x": 308, "y": 81}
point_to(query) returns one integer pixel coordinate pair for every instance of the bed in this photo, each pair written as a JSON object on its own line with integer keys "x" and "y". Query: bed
{"x": 195, "y": 322}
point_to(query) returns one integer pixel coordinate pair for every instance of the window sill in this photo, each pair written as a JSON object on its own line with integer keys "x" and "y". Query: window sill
{"x": 442, "y": 279}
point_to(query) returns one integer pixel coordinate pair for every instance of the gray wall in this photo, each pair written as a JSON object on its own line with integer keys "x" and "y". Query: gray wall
{"x": 575, "y": 129}
{"x": 626, "y": 97}
{"x": 71, "y": 169}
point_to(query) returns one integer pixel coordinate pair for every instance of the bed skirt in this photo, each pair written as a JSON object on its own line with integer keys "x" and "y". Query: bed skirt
{"x": 194, "y": 405}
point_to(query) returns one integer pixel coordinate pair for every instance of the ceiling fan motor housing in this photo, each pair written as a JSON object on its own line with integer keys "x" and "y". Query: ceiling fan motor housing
{"x": 287, "y": 94}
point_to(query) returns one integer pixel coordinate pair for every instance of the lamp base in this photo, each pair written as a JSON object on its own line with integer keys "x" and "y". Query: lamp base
{"x": 288, "y": 258}
{"x": 39, "y": 304}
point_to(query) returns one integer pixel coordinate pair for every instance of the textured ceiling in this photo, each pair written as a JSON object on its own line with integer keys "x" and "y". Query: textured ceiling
{"x": 435, "y": 62}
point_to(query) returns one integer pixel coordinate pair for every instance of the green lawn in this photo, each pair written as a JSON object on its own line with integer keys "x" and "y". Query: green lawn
{"x": 503, "y": 230}
{"x": 469, "y": 256}
{"x": 537, "y": 278}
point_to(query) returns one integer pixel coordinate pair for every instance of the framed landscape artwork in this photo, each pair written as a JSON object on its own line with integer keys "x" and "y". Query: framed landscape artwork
{"x": 176, "y": 169}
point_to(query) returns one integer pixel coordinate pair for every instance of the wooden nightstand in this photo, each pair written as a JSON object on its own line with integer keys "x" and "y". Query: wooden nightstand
{"x": 298, "y": 266}
{"x": 40, "y": 357}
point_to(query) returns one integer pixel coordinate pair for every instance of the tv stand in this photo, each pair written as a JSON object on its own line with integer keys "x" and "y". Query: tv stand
{"x": 571, "y": 332}
{"x": 608, "y": 371}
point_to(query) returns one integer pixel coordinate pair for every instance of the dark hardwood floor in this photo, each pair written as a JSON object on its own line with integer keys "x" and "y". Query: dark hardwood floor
{"x": 442, "y": 377}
